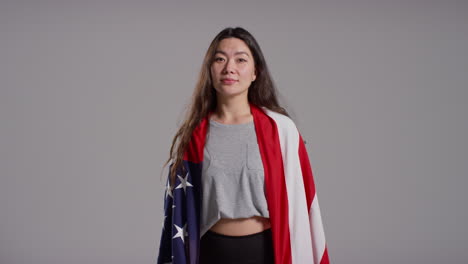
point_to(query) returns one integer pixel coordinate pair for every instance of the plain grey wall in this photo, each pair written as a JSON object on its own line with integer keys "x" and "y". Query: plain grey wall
{"x": 92, "y": 93}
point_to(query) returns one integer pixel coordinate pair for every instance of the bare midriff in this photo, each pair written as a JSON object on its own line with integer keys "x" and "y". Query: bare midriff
{"x": 241, "y": 226}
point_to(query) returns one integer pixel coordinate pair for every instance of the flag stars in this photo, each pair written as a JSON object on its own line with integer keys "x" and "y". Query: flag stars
{"x": 169, "y": 190}
{"x": 184, "y": 183}
{"x": 181, "y": 232}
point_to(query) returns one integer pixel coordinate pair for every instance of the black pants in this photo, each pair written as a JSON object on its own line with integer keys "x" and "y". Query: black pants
{"x": 250, "y": 249}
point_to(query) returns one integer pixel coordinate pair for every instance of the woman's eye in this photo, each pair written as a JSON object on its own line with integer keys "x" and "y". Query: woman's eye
{"x": 242, "y": 60}
{"x": 219, "y": 59}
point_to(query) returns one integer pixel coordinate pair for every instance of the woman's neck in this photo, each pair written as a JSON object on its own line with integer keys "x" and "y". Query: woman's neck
{"x": 232, "y": 112}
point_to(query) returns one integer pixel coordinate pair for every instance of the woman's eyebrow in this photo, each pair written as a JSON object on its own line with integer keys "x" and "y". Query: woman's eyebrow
{"x": 237, "y": 53}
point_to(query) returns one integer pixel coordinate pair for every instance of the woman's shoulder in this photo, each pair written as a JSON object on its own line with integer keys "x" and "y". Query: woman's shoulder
{"x": 282, "y": 121}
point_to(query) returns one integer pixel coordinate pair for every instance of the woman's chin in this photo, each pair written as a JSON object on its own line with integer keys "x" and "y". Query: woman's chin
{"x": 233, "y": 94}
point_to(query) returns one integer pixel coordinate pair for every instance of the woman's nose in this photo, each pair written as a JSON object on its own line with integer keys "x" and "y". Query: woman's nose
{"x": 228, "y": 67}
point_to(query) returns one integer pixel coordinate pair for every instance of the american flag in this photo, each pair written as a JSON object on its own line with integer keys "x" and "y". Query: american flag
{"x": 296, "y": 223}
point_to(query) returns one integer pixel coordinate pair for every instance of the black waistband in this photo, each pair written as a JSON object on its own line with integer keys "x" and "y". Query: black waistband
{"x": 264, "y": 232}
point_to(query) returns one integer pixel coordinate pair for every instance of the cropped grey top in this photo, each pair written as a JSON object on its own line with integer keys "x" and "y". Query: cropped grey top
{"x": 233, "y": 183}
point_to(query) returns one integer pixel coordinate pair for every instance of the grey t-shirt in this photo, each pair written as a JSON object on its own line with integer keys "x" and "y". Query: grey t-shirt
{"x": 233, "y": 184}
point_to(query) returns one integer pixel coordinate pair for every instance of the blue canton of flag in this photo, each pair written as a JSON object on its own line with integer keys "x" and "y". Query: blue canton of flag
{"x": 180, "y": 237}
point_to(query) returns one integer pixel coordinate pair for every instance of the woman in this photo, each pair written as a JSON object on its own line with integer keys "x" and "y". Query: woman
{"x": 240, "y": 186}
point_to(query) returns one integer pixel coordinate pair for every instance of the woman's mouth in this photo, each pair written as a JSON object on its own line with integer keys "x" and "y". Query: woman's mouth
{"x": 228, "y": 81}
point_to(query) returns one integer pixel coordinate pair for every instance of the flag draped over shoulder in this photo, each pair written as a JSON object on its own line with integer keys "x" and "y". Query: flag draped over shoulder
{"x": 296, "y": 223}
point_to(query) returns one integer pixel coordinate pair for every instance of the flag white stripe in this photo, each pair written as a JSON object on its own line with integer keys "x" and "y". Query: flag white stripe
{"x": 317, "y": 231}
{"x": 299, "y": 224}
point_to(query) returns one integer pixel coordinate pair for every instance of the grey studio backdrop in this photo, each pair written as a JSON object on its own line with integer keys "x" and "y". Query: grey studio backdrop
{"x": 92, "y": 93}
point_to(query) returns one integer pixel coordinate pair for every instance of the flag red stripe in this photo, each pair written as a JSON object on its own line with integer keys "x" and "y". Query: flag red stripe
{"x": 325, "y": 259}
{"x": 318, "y": 240}
{"x": 195, "y": 148}
{"x": 270, "y": 151}
{"x": 306, "y": 173}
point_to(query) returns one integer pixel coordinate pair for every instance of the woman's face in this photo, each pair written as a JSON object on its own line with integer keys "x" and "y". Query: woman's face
{"x": 232, "y": 68}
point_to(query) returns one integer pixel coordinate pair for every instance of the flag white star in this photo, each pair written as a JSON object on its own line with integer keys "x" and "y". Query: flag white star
{"x": 169, "y": 190}
{"x": 181, "y": 232}
{"x": 184, "y": 183}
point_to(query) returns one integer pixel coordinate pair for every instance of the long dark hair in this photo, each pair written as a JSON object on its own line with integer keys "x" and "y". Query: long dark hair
{"x": 262, "y": 92}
